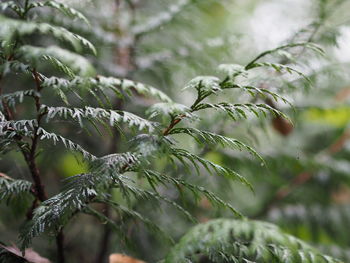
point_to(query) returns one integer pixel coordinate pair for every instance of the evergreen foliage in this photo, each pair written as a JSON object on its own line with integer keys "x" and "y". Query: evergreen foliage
{"x": 75, "y": 94}
{"x": 225, "y": 240}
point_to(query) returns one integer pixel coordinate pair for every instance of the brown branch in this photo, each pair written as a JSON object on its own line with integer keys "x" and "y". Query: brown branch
{"x": 6, "y": 177}
{"x": 30, "y": 157}
{"x": 280, "y": 124}
{"x": 343, "y": 95}
{"x": 338, "y": 145}
{"x": 33, "y": 166}
{"x": 284, "y": 192}
{"x": 36, "y": 191}
{"x": 172, "y": 124}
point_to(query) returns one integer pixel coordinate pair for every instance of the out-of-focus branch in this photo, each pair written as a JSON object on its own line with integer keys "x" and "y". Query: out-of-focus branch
{"x": 302, "y": 178}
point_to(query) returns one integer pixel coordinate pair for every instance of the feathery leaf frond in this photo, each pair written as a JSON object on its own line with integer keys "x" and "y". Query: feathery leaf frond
{"x": 171, "y": 109}
{"x": 63, "y": 8}
{"x": 280, "y": 68}
{"x": 113, "y": 117}
{"x": 11, "y": 28}
{"x": 55, "y": 138}
{"x": 213, "y": 139}
{"x": 12, "y": 5}
{"x": 226, "y": 240}
{"x": 233, "y": 70}
{"x": 56, "y": 211}
{"x": 204, "y": 84}
{"x": 126, "y": 212}
{"x": 210, "y": 167}
{"x": 11, "y": 189}
{"x": 103, "y": 84}
{"x": 66, "y": 61}
{"x": 308, "y": 45}
{"x": 12, "y": 98}
{"x": 239, "y": 111}
{"x": 154, "y": 178}
{"x": 253, "y": 91}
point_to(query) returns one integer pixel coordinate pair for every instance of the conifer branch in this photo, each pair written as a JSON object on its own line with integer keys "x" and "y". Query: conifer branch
{"x": 31, "y": 156}
{"x": 80, "y": 89}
